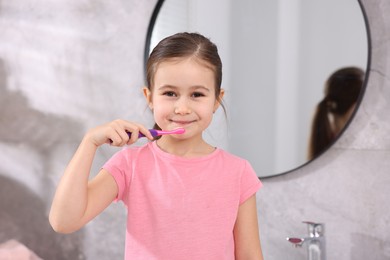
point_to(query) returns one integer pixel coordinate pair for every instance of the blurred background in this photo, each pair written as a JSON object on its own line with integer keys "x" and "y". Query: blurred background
{"x": 66, "y": 66}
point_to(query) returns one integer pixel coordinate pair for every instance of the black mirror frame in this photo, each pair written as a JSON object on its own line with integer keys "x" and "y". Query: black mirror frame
{"x": 149, "y": 32}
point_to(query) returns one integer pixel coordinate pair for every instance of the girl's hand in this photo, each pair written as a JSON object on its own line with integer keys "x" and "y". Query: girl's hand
{"x": 115, "y": 133}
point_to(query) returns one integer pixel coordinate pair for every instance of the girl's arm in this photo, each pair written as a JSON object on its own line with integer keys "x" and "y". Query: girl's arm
{"x": 78, "y": 200}
{"x": 246, "y": 232}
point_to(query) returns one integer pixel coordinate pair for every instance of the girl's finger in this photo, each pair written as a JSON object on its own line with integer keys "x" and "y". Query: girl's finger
{"x": 118, "y": 136}
{"x": 115, "y": 140}
{"x": 135, "y": 129}
{"x": 145, "y": 131}
{"x": 123, "y": 135}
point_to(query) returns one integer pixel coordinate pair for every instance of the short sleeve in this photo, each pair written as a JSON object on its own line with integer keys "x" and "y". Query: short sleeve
{"x": 116, "y": 166}
{"x": 250, "y": 183}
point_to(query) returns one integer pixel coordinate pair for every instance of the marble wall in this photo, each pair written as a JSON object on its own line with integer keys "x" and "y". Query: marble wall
{"x": 67, "y": 65}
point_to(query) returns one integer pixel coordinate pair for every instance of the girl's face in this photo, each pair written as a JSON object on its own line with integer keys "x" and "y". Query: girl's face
{"x": 183, "y": 95}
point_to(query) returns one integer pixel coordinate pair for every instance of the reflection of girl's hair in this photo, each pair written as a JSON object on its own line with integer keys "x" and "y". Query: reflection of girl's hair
{"x": 342, "y": 90}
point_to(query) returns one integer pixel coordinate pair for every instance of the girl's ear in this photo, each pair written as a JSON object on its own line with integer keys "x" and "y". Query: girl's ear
{"x": 219, "y": 99}
{"x": 148, "y": 96}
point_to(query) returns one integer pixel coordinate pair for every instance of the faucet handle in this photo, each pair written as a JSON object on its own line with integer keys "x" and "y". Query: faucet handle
{"x": 315, "y": 229}
{"x": 296, "y": 241}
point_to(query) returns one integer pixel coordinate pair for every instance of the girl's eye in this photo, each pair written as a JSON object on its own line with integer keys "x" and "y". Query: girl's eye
{"x": 198, "y": 94}
{"x": 169, "y": 94}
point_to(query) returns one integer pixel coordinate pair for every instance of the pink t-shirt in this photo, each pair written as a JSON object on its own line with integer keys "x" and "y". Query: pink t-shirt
{"x": 180, "y": 208}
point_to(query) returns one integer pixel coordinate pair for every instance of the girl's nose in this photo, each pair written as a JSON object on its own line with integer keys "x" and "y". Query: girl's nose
{"x": 182, "y": 107}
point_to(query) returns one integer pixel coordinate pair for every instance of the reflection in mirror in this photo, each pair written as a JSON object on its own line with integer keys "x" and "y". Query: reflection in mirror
{"x": 277, "y": 57}
{"x": 341, "y": 94}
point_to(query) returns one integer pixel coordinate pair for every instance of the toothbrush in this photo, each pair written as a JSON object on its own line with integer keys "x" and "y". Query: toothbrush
{"x": 156, "y": 132}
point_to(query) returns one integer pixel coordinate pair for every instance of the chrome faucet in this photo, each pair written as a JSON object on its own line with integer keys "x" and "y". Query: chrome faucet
{"x": 315, "y": 242}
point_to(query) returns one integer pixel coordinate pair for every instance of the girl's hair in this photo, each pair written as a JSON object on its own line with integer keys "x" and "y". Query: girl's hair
{"x": 342, "y": 90}
{"x": 185, "y": 45}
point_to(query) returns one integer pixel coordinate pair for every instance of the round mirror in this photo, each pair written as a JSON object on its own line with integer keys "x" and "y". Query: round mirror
{"x": 277, "y": 58}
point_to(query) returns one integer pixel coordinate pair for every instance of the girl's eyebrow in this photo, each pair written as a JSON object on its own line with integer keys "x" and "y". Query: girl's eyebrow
{"x": 196, "y": 87}
{"x": 200, "y": 87}
{"x": 163, "y": 87}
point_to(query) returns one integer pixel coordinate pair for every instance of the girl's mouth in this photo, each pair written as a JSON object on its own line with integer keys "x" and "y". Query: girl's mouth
{"x": 182, "y": 122}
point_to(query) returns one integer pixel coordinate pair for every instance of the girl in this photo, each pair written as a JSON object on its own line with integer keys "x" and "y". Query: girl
{"x": 185, "y": 198}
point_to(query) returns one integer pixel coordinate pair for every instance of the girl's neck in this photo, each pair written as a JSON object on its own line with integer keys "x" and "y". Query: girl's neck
{"x": 188, "y": 148}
